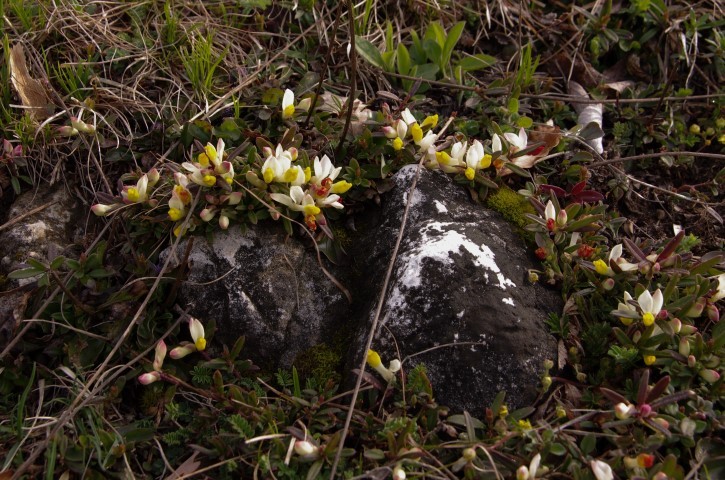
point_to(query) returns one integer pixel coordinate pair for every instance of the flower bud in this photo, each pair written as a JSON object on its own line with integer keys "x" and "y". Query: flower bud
{"x": 697, "y": 308}
{"x": 149, "y": 378}
{"x": 159, "y": 355}
{"x": 561, "y": 218}
{"x": 691, "y": 361}
{"x": 623, "y": 411}
{"x": 522, "y": 473}
{"x": 709, "y": 375}
{"x": 389, "y": 132}
{"x": 548, "y": 364}
{"x": 207, "y": 214}
{"x": 608, "y": 284}
{"x": 688, "y": 329}
{"x": 398, "y": 473}
{"x": 644, "y": 410}
{"x": 645, "y": 460}
{"x": 662, "y": 422}
{"x": 182, "y": 351}
{"x": 153, "y": 177}
{"x": 712, "y": 313}
{"x": 394, "y": 365}
{"x": 533, "y": 276}
{"x": 660, "y": 476}
{"x": 223, "y": 222}
{"x": 469, "y": 454}
{"x": 684, "y": 347}
{"x": 267, "y": 152}
{"x": 102, "y": 210}
{"x": 252, "y": 178}
{"x": 67, "y": 131}
{"x": 676, "y": 325}
{"x": 663, "y": 314}
{"x": 546, "y": 382}
{"x": 307, "y": 450}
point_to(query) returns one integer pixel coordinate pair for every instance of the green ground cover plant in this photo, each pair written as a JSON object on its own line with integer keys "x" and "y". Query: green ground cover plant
{"x": 174, "y": 119}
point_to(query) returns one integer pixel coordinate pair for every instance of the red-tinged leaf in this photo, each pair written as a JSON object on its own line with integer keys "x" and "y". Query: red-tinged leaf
{"x": 671, "y": 246}
{"x": 613, "y": 396}
{"x": 589, "y": 196}
{"x": 658, "y": 389}
{"x": 643, "y": 387}
{"x": 578, "y": 188}
{"x": 552, "y": 189}
{"x": 538, "y": 206}
{"x": 634, "y": 250}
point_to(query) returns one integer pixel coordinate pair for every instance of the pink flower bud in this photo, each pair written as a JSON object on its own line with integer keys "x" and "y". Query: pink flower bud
{"x": 684, "y": 347}
{"x": 223, "y": 222}
{"x": 66, "y": 131}
{"x": 645, "y": 410}
{"x": 149, "y": 378}
{"x": 389, "y": 132}
{"x": 688, "y": 329}
{"x": 267, "y": 152}
{"x": 153, "y": 177}
{"x": 676, "y": 325}
{"x": 182, "y": 351}
{"x": 691, "y": 361}
{"x": 561, "y": 218}
{"x": 522, "y": 473}
{"x": 102, "y": 210}
{"x": 710, "y": 376}
{"x": 160, "y": 354}
{"x": 663, "y": 314}
{"x": 712, "y": 313}
{"x": 207, "y": 214}
{"x": 608, "y": 284}
{"x": 398, "y": 473}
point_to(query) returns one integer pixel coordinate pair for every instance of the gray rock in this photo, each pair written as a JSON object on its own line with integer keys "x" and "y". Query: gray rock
{"x": 461, "y": 277}
{"x": 265, "y": 287}
{"x": 43, "y": 236}
{"x": 460, "y": 283}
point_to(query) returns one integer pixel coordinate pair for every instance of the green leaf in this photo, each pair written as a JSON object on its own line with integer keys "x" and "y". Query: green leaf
{"x": 591, "y": 131}
{"x": 476, "y": 62}
{"x": 436, "y": 33}
{"x": 25, "y": 273}
{"x": 588, "y": 444}
{"x": 454, "y": 34}
{"x": 432, "y": 51}
{"x": 513, "y": 105}
{"x": 427, "y": 71}
{"x": 403, "y": 60}
{"x": 557, "y": 449}
{"x": 368, "y": 51}
{"x": 389, "y": 60}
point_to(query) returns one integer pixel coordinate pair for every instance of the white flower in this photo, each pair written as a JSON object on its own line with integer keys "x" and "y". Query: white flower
{"x": 197, "y": 333}
{"x": 427, "y": 141}
{"x": 201, "y": 176}
{"x": 516, "y": 142}
{"x": 458, "y": 150}
{"x": 616, "y": 255}
{"x": 407, "y": 117}
{"x": 137, "y": 193}
{"x": 159, "y": 355}
{"x": 602, "y": 471}
{"x": 650, "y": 306}
{"x": 324, "y": 169}
{"x": 626, "y": 308}
{"x": 330, "y": 201}
{"x": 401, "y": 128}
{"x": 288, "y": 107}
{"x": 476, "y": 159}
{"x": 297, "y": 200}
{"x": 496, "y": 143}
{"x": 550, "y": 211}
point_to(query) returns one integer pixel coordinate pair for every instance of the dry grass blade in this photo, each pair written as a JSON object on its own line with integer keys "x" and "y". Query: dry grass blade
{"x": 31, "y": 91}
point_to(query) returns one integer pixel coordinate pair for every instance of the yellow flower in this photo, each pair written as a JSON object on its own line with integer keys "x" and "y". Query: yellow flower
{"x": 649, "y": 359}
{"x": 416, "y": 132}
{"x": 340, "y": 187}
{"x": 175, "y": 214}
{"x": 524, "y": 425}
{"x": 397, "y": 143}
{"x": 430, "y": 122}
{"x": 601, "y": 267}
{"x": 374, "y": 359}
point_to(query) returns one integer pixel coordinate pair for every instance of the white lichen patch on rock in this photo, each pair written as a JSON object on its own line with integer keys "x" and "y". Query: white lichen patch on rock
{"x": 440, "y": 207}
{"x": 508, "y": 301}
{"x": 437, "y": 243}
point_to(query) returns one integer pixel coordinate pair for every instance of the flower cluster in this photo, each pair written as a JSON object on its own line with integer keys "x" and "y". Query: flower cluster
{"x": 196, "y": 329}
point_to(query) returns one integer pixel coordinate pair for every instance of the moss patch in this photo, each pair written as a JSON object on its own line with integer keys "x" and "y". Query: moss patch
{"x": 511, "y": 205}
{"x": 320, "y": 362}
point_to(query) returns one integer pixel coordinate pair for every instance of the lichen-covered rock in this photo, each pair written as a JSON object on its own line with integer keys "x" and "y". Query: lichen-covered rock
{"x": 266, "y": 287}
{"x": 43, "y": 236}
{"x": 460, "y": 284}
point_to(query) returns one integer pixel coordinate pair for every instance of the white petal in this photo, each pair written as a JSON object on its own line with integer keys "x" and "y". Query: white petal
{"x": 602, "y": 471}
{"x": 645, "y": 301}
{"x": 512, "y": 138}
{"x": 401, "y": 128}
{"x": 288, "y": 98}
{"x": 534, "y": 465}
{"x": 458, "y": 150}
{"x": 496, "y": 143}
{"x": 474, "y": 154}
{"x": 427, "y": 141}
{"x": 523, "y": 139}
{"x": 616, "y": 252}
{"x": 285, "y": 200}
{"x": 550, "y": 212}
{"x": 407, "y": 117}
{"x": 196, "y": 329}
{"x": 297, "y": 194}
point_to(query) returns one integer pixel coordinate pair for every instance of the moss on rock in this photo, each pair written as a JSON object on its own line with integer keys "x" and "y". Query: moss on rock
{"x": 319, "y": 361}
{"x": 512, "y": 205}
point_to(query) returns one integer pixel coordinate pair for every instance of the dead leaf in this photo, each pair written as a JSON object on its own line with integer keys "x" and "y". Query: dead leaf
{"x": 562, "y": 355}
{"x": 189, "y": 466}
{"x": 31, "y": 92}
{"x": 588, "y": 113}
